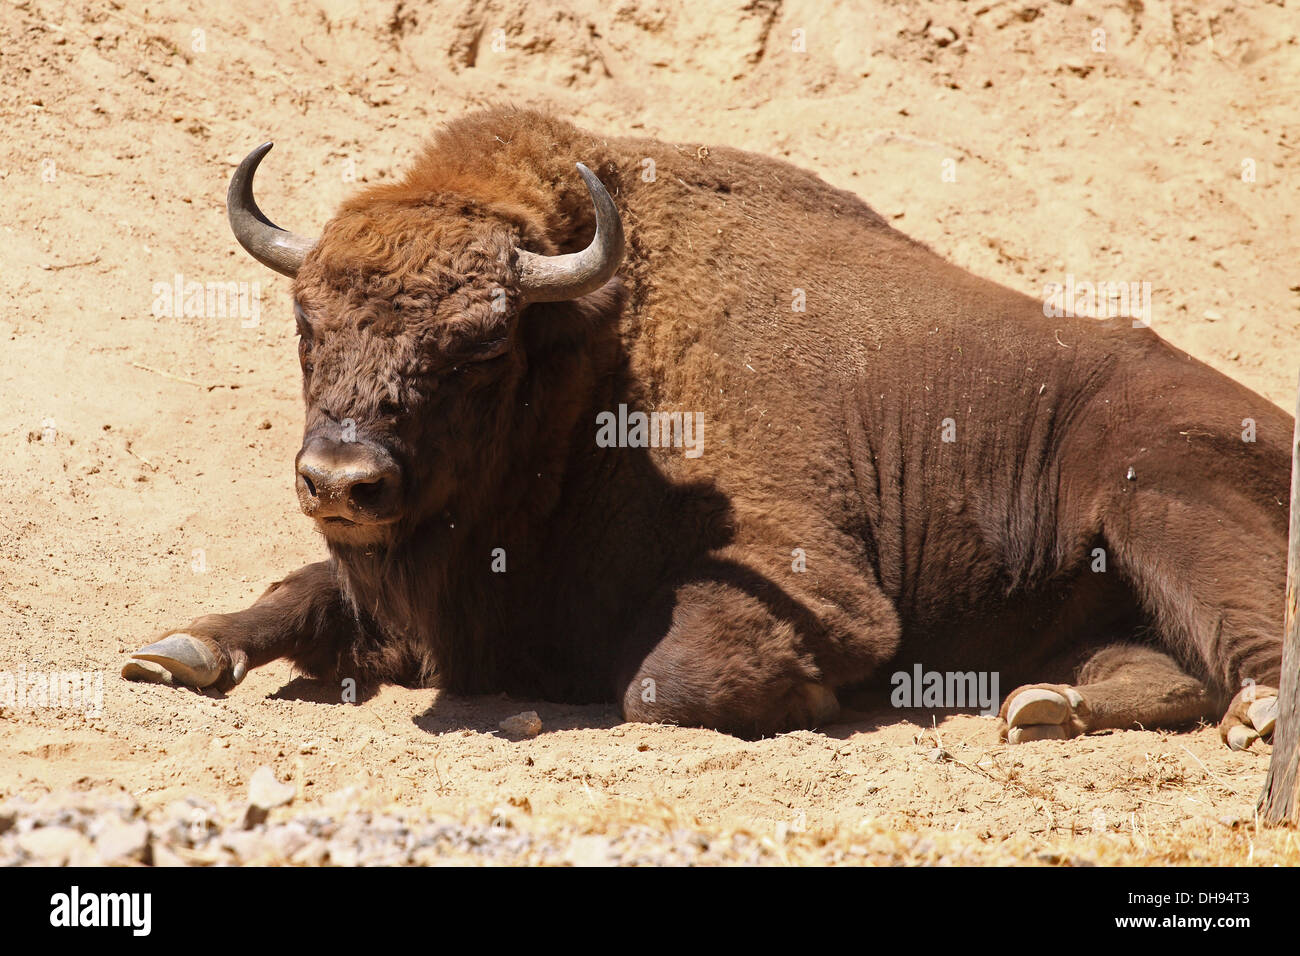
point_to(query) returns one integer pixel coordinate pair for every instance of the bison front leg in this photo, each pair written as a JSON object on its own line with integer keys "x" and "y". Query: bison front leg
{"x": 740, "y": 654}
{"x": 302, "y": 617}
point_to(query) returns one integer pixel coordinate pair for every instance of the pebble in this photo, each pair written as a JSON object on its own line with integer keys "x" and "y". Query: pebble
{"x": 163, "y": 855}
{"x": 313, "y": 854}
{"x": 589, "y": 851}
{"x": 265, "y": 793}
{"x": 57, "y": 846}
{"x": 941, "y": 36}
{"x": 248, "y": 846}
{"x": 343, "y": 853}
{"x": 120, "y": 842}
{"x": 527, "y": 724}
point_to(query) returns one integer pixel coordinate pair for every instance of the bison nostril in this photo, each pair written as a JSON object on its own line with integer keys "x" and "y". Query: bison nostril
{"x": 367, "y": 494}
{"x": 311, "y": 489}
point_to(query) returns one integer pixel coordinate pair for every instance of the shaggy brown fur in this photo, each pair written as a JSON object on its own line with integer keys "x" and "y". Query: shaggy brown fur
{"x": 669, "y": 583}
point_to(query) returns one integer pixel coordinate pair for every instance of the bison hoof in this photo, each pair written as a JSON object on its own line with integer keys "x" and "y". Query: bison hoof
{"x": 186, "y": 659}
{"x": 1263, "y": 714}
{"x": 1250, "y": 716}
{"x": 1241, "y": 737}
{"x": 1032, "y": 732}
{"x": 146, "y": 672}
{"x": 1260, "y": 717}
{"x": 1042, "y": 713}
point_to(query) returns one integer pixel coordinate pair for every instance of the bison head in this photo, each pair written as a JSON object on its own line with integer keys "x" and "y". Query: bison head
{"x": 408, "y": 310}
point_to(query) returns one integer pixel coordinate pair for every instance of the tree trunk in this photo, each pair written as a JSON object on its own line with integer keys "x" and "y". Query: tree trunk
{"x": 1280, "y": 800}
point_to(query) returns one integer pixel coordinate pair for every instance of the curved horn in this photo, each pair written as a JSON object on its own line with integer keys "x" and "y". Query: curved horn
{"x": 561, "y": 278}
{"x": 266, "y": 242}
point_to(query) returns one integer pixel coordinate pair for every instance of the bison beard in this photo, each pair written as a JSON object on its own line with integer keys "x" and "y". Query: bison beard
{"x": 905, "y": 463}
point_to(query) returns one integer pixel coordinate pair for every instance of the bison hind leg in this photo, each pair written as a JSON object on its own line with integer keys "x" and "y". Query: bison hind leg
{"x": 1249, "y": 717}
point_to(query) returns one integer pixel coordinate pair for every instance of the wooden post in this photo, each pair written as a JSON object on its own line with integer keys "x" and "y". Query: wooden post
{"x": 1279, "y": 802}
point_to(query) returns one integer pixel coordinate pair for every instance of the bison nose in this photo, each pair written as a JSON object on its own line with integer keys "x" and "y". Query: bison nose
{"x": 351, "y": 481}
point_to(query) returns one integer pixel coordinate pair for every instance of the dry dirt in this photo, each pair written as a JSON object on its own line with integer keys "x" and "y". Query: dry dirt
{"x": 146, "y": 464}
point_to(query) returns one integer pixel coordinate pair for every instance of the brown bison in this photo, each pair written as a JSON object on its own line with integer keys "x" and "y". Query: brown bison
{"x": 766, "y": 452}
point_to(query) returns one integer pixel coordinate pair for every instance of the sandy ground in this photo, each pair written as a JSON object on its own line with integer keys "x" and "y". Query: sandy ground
{"x": 146, "y": 468}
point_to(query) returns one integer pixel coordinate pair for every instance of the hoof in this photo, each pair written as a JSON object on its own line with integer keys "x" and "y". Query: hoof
{"x": 1249, "y": 717}
{"x": 146, "y": 672}
{"x": 186, "y": 658}
{"x": 1263, "y": 714}
{"x": 1241, "y": 737}
{"x": 1042, "y": 713}
{"x": 1032, "y": 732}
{"x": 1037, "y": 706}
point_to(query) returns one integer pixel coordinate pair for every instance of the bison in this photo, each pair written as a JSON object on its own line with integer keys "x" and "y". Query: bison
{"x": 759, "y": 455}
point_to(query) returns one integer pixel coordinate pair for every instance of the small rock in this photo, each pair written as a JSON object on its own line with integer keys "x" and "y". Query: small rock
{"x": 941, "y": 36}
{"x": 163, "y": 855}
{"x": 428, "y": 856}
{"x": 248, "y": 846}
{"x": 266, "y": 792}
{"x": 1213, "y": 315}
{"x": 1064, "y": 859}
{"x": 589, "y": 851}
{"x": 123, "y": 842}
{"x": 343, "y": 853}
{"x": 312, "y": 854}
{"x": 288, "y": 839}
{"x": 56, "y": 846}
{"x": 938, "y": 755}
{"x": 527, "y": 724}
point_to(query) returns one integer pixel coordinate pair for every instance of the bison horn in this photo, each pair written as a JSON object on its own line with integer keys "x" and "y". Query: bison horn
{"x": 561, "y": 278}
{"x": 266, "y": 242}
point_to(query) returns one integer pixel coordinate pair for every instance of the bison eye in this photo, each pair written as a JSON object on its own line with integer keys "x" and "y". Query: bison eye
{"x": 300, "y": 318}
{"x": 390, "y": 409}
{"x": 488, "y": 351}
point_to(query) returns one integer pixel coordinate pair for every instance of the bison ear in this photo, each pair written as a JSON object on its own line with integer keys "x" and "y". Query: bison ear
{"x": 567, "y": 277}
{"x": 266, "y": 242}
